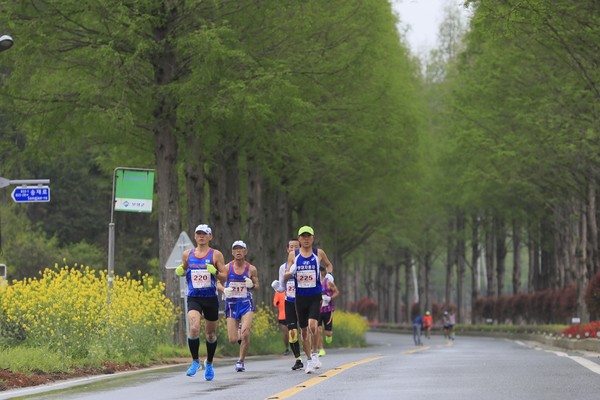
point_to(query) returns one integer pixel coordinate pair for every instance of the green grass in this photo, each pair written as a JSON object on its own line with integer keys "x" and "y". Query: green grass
{"x": 171, "y": 351}
{"x": 349, "y": 331}
{"x": 30, "y": 360}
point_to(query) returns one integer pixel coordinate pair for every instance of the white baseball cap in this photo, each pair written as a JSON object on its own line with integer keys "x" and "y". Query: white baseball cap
{"x": 238, "y": 243}
{"x": 203, "y": 228}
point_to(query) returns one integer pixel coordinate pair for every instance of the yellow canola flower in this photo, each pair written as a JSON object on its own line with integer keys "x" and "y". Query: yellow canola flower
{"x": 67, "y": 308}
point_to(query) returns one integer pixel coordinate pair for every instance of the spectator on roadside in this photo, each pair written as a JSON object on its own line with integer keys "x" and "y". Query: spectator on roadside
{"x": 417, "y": 327}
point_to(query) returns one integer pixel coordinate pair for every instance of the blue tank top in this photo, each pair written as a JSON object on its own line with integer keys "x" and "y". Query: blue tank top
{"x": 308, "y": 279}
{"x": 201, "y": 283}
{"x": 238, "y": 284}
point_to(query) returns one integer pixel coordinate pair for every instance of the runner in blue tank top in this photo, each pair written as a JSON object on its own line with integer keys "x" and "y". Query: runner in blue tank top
{"x": 303, "y": 265}
{"x": 291, "y": 319}
{"x": 202, "y": 267}
{"x": 239, "y": 306}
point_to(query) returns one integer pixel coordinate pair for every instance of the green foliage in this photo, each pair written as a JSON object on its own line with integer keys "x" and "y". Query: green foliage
{"x": 349, "y": 330}
{"x": 25, "y": 247}
{"x": 32, "y": 359}
{"x": 286, "y": 86}
{"x": 519, "y": 142}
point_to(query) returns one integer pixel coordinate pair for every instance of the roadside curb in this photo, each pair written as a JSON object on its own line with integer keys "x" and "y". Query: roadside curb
{"x": 588, "y": 344}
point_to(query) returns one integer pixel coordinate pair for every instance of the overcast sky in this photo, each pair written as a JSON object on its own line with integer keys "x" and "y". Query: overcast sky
{"x": 423, "y": 18}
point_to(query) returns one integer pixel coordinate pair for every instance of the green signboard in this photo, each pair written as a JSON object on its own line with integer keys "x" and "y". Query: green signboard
{"x": 133, "y": 190}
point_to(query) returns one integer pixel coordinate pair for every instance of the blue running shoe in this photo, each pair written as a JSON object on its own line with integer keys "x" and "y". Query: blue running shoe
{"x": 239, "y": 366}
{"x": 209, "y": 374}
{"x": 193, "y": 368}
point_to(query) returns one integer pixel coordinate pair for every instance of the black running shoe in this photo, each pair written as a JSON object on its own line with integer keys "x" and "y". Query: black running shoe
{"x": 298, "y": 365}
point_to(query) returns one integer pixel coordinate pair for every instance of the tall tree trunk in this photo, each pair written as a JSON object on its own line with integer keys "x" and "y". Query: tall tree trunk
{"x": 564, "y": 233}
{"x": 546, "y": 255}
{"x": 408, "y": 292}
{"x": 490, "y": 259}
{"x": 534, "y": 262}
{"x": 165, "y": 149}
{"x": 474, "y": 263}
{"x": 581, "y": 277}
{"x": 421, "y": 285}
{"x": 516, "y": 278}
{"x": 194, "y": 184}
{"x": 593, "y": 250}
{"x": 450, "y": 261}
{"x": 355, "y": 294}
{"x": 398, "y": 291}
{"x": 225, "y": 216}
{"x": 169, "y": 218}
{"x": 461, "y": 290}
{"x": 500, "y": 253}
{"x": 428, "y": 265}
{"x": 258, "y": 236}
{"x": 277, "y": 232}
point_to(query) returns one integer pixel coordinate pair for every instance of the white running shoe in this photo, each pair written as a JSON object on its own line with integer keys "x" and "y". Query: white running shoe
{"x": 315, "y": 361}
{"x": 309, "y": 367}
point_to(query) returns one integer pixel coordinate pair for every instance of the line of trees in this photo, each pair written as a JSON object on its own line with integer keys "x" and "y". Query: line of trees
{"x": 519, "y": 151}
{"x": 261, "y": 116}
{"x": 258, "y": 116}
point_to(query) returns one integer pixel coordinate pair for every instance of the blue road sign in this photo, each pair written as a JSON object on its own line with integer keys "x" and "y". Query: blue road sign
{"x": 31, "y": 194}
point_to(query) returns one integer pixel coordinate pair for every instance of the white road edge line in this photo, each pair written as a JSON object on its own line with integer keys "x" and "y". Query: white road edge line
{"x": 584, "y": 362}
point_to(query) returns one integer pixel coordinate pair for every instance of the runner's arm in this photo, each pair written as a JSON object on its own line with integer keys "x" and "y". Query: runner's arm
{"x": 324, "y": 260}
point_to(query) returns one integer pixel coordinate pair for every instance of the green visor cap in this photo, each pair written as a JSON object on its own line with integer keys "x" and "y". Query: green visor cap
{"x": 306, "y": 229}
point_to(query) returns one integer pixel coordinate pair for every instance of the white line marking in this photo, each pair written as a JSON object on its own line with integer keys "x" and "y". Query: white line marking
{"x": 584, "y": 362}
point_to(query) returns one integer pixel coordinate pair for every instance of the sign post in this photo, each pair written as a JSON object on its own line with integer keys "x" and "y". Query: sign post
{"x": 31, "y": 194}
{"x": 183, "y": 243}
{"x": 133, "y": 189}
{"x": 2, "y": 274}
{"x": 26, "y": 194}
{"x": 6, "y": 182}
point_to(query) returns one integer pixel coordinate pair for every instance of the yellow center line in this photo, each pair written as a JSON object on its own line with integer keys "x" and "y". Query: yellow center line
{"x": 318, "y": 379}
{"x": 416, "y": 350}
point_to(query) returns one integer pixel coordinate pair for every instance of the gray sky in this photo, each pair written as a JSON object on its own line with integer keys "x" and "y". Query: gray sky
{"x": 423, "y": 18}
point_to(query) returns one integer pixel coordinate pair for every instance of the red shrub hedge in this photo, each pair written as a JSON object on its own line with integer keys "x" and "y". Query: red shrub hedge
{"x": 542, "y": 307}
{"x": 592, "y": 296}
{"x": 589, "y": 330}
{"x": 365, "y": 307}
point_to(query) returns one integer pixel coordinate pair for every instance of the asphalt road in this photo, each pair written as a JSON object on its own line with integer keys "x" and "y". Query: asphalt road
{"x": 391, "y": 367}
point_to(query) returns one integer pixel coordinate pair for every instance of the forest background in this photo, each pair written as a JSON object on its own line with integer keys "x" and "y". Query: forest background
{"x": 455, "y": 181}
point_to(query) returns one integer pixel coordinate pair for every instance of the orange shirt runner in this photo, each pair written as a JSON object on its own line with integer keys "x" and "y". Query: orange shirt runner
{"x": 279, "y": 302}
{"x": 428, "y": 321}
